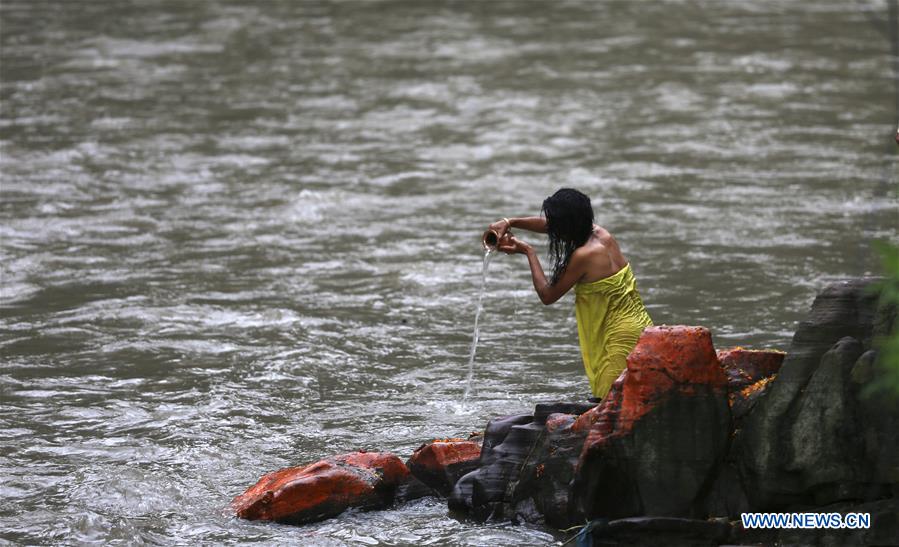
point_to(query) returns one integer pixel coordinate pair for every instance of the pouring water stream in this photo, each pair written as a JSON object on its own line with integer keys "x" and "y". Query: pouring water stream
{"x": 488, "y": 254}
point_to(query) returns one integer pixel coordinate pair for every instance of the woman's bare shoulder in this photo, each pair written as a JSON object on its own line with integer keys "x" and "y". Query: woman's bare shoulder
{"x": 603, "y": 234}
{"x": 613, "y": 251}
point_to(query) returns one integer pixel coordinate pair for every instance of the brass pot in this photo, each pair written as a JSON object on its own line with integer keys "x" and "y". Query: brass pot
{"x": 491, "y": 239}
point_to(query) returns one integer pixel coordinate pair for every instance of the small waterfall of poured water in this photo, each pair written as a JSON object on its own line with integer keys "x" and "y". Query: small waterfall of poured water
{"x": 488, "y": 254}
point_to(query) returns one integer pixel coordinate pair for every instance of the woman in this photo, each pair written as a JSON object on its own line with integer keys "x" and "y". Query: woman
{"x": 610, "y": 313}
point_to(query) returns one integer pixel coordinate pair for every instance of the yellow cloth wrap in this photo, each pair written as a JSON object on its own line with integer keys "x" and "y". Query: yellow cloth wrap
{"x": 610, "y": 318}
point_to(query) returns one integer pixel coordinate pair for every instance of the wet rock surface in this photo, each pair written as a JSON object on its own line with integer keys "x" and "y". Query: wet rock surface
{"x": 440, "y": 463}
{"x": 542, "y": 492}
{"x": 326, "y": 488}
{"x": 508, "y": 443}
{"x": 744, "y": 400}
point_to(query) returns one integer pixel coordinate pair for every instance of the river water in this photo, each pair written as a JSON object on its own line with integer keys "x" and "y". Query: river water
{"x": 240, "y": 235}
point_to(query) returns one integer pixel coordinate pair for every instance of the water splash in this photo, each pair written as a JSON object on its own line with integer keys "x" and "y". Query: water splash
{"x": 488, "y": 254}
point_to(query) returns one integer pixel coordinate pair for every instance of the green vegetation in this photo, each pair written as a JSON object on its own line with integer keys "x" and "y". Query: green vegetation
{"x": 888, "y": 379}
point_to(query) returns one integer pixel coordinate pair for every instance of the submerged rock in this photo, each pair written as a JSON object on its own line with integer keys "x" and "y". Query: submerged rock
{"x": 326, "y": 488}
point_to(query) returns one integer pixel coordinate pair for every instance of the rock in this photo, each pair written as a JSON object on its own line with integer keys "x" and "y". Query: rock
{"x": 543, "y": 411}
{"x": 298, "y": 495}
{"x": 749, "y": 372}
{"x": 822, "y": 461}
{"x": 673, "y": 532}
{"x": 811, "y": 438}
{"x": 727, "y": 497}
{"x": 542, "y": 491}
{"x": 481, "y": 492}
{"x": 411, "y": 488}
{"x": 651, "y": 446}
{"x": 666, "y": 359}
{"x": 744, "y": 367}
{"x": 654, "y": 449}
{"x": 639, "y": 531}
{"x": 508, "y": 442}
{"x": 683, "y": 434}
{"x": 877, "y": 422}
{"x": 744, "y": 400}
{"x": 440, "y": 463}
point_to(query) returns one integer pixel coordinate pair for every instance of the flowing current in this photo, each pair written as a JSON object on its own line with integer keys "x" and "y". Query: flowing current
{"x": 237, "y": 235}
{"x": 475, "y": 336}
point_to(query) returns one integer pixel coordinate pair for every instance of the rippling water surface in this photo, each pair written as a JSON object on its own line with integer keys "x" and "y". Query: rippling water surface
{"x": 238, "y": 236}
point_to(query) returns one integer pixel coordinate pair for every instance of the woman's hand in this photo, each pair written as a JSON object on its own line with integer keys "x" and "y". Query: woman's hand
{"x": 512, "y": 245}
{"x": 501, "y": 227}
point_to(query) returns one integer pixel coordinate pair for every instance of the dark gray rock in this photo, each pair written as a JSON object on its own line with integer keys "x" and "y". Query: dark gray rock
{"x": 542, "y": 491}
{"x": 507, "y": 441}
{"x": 877, "y": 423}
{"x": 508, "y": 444}
{"x": 411, "y": 488}
{"x": 726, "y": 497}
{"x": 668, "y": 531}
{"x": 666, "y": 465}
{"x": 741, "y": 406}
{"x": 653, "y": 445}
{"x": 659, "y": 447}
{"x": 819, "y": 448}
{"x": 812, "y": 438}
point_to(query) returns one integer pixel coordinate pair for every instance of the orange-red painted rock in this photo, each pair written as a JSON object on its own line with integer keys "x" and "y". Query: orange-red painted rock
{"x": 744, "y": 367}
{"x": 659, "y": 435}
{"x": 296, "y": 495}
{"x": 666, "y": 358}
{"x": 440, "y": 463}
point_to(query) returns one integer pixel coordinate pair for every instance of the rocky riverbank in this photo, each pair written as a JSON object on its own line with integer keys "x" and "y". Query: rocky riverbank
{"x": 687, "y": 440}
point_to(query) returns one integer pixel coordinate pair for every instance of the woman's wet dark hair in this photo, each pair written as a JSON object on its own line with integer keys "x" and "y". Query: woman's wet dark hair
{"x": 569, "y": 222}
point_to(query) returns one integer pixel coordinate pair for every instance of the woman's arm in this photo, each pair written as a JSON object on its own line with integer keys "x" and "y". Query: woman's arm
{"x": 547, "y": 292}
{"x": 531, "y": 224}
